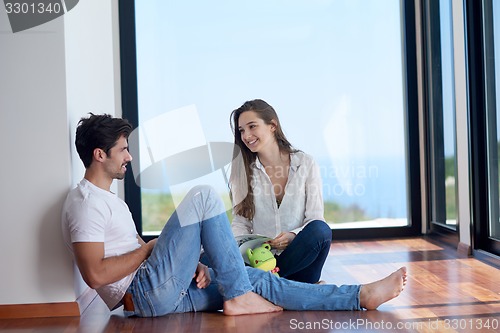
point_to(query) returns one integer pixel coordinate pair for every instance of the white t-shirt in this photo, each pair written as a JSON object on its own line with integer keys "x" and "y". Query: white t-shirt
{"x": 91, "y": 214}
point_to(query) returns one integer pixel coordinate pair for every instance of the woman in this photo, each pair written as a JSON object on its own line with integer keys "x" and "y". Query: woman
{"x": 277, "y": 192}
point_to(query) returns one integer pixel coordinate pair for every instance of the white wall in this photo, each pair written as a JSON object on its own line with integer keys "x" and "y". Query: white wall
{"x": 51, "y": 75}
{"x": 34, "y": 168}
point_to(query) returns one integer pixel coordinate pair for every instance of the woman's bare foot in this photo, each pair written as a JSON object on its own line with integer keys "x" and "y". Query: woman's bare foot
{"x": 321, "y": 282}
{"x": 249, "y": 303}
{"x": 373, "y": 294}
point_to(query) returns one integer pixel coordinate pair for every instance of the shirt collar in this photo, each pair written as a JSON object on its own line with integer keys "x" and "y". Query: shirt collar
{"x": 257, "y": 164}
{"x": 294, "y": 162}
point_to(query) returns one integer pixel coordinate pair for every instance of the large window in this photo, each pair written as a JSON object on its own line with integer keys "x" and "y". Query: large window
{"x": 483, "y": 47}
{"x": 335, "y": 71}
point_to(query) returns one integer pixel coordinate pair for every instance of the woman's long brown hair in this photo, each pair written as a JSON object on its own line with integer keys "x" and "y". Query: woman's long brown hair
{"x": 246, "y": 207}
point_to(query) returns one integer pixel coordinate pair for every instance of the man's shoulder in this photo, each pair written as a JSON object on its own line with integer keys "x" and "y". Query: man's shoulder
{"x": 84, "y": 208}
{"x": 83, "y": 197}
{"x": 74, "y": 195}
{"x": 79, "y": 193}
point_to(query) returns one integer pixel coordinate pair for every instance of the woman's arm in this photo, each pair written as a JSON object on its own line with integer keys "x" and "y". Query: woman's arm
{"x": 241, "y": 225}
{"x": 314, "y": 208}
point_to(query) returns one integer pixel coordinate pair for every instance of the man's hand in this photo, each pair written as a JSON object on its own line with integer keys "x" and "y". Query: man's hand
{"x": 202, "y": 276}
{"x": 150, "y": 245}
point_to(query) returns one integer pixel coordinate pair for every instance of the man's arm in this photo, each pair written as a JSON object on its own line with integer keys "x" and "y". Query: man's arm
{"x": 98, "y": 271}
{"x": 140, "y": 240}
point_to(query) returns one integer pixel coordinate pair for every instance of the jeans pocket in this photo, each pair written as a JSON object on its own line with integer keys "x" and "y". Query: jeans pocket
{"x": 166, "y": 297}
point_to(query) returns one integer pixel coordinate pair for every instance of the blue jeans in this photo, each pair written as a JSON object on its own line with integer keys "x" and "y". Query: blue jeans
{"x": 304, "y": 258}
{"x": 164, "y": 283}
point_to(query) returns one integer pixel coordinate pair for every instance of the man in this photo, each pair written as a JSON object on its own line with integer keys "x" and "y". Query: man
{"x": 164, "y": 275}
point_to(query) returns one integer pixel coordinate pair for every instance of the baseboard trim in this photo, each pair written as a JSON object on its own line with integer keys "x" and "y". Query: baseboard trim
{"x": 464, "y": 249}
{"x": 39, "y": 310}
{"x": 85, "y": 299}
{"x": 487, "y": 258}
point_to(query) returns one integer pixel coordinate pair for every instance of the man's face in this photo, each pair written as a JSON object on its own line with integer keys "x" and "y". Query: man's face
{"x": 117, "y": 159}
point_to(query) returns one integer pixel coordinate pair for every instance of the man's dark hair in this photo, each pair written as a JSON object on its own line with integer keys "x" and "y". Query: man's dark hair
{"x": 99, "y": 131}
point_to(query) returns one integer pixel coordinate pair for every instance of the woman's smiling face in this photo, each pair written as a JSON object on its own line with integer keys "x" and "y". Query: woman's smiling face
{"x": 255, "y": 133}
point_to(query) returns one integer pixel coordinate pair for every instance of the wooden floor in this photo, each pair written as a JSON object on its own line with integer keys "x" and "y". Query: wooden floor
{"x": 445, "y": 293}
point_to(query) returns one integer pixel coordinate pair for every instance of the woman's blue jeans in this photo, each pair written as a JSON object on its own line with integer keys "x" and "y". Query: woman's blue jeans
{"x": 164, "y": 283}
{"x": 304, "y": 258}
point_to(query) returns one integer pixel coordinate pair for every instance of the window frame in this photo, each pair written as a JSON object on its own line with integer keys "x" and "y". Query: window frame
{"x": 479, "y": 31}
{"x": 433, "y": 113}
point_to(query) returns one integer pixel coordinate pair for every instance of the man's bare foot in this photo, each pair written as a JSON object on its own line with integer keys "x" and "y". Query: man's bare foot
{"x": 321, "y": 282}
{"x": 249, "y": 303}
{"x": 372, "y": 295}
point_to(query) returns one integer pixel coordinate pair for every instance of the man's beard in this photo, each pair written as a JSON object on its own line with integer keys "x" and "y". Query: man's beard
{"x": 120, "y": 176}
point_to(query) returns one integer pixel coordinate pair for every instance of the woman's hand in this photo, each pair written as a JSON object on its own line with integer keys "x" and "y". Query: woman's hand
{"x": 282, "y": 241}
{"x": 202, "y": 276}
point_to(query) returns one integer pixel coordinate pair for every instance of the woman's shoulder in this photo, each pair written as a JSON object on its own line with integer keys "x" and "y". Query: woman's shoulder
{"x": 302, "y": 158}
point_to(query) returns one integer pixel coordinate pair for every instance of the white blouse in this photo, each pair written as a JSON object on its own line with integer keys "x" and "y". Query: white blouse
{"x": 301, "y": 204}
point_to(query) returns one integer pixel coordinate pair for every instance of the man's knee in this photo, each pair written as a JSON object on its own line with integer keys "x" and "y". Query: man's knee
{"x": 204, "y": 190}
{"x": 207, "y": 196}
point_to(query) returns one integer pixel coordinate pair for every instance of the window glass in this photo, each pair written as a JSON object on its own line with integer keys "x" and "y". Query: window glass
{"x": 333, "y": 70}
{"x": 448, "y": 83}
